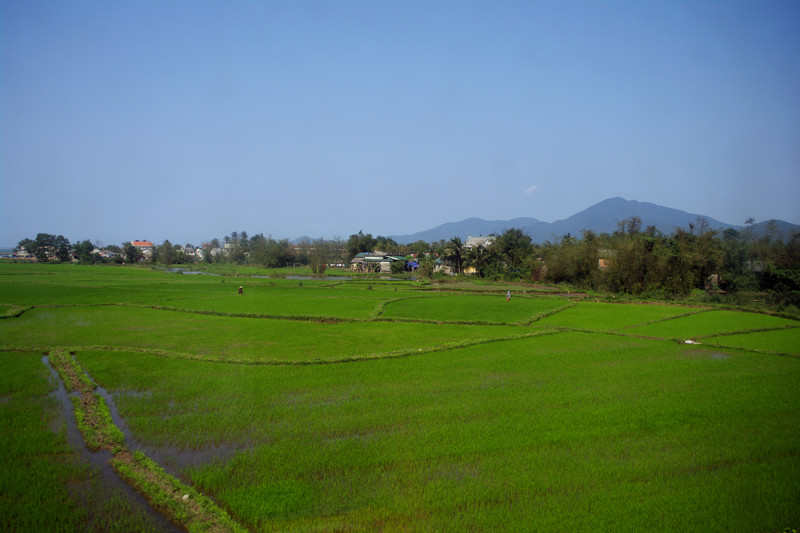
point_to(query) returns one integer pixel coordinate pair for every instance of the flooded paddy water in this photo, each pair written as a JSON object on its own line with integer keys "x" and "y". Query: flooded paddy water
{"x": 99, "y": 460}
{"x": 173, "y": 460}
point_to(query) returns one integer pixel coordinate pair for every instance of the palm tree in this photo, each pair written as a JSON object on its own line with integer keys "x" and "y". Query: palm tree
{"x": 476, "y": 257}
{"x": 454, "y": 251}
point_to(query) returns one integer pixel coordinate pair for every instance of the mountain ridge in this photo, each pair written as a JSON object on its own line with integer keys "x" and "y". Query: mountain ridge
{"x": 601, "y": 217}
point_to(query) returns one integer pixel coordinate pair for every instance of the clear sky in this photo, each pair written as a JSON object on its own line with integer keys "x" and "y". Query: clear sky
{"x": 188, "y": 120}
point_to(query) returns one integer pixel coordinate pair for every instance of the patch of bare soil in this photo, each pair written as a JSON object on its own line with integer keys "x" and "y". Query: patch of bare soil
{"x": 68, "y": 372}
{"x": 97, "y": 425}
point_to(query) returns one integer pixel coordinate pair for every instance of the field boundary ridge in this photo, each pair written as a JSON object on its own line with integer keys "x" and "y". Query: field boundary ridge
{"x": 182, "y": 503}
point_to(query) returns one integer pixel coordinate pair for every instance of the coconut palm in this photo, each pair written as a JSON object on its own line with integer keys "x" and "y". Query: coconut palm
{"x": 454, "y": 252}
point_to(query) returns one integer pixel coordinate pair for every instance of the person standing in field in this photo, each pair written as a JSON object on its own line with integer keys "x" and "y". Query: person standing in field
{"x": 241, "y": 290}
{"x": 508, "y": 295}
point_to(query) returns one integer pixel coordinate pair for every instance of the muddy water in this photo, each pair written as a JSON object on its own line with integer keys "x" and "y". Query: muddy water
{"x": 99, "y": 459}
{"x": 173, "y": 460}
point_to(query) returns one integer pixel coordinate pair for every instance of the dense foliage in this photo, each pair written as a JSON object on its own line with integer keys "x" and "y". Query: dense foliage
{"x": 632, "y": 260}
{"x": 639, "y": 262}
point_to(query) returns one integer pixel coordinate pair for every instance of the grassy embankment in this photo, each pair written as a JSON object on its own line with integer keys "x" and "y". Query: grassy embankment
{"x": 447, "y": 411}
{"x": 181, "y": 503}
{"x": 44, "y": 484}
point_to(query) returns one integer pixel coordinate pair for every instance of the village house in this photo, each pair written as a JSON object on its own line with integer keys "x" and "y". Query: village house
{"x": 105, "y": 254}
{"x": 146, "y": 247}
{"x": 478, "y": 242}
{"x": 445, "y": 268}
{"x": 374, "y": 262}
{"x": 604, "y": 257}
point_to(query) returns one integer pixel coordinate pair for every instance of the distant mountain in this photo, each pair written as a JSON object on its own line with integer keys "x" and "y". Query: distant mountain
{"x": 784, "y": 228}
{"x": 465, "y": 228}
{"x": 604, "y": 216}
{"x": 600, "y": 218}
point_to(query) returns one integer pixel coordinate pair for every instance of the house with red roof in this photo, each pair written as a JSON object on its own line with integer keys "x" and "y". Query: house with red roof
{"x": 145, "y": 246}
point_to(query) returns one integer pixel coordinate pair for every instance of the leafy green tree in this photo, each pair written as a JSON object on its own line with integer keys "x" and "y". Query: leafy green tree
{"x": 511, "y": 250}
{"x": 259, "y": 246}
{"x": 419, "y": 248}
{"x": 180, "y": 255}
{"x": 280, "y": 253}
{"x": 386, "y": 244}
{"x": 537, "y": 267}
{"x": 166, "y": 253}
{"x": 779, "y": 265}
{"x": 358, "y": 243}
{"x": 561, "y": 259}
{"x": 454, "y": 253}
{"x": 427, "y": 263}
{"x": 63, "y": 248}
{"x": 237, "y": 253}
{"x": 734, "y": 274}
{"x": 587, "y": 257}
{"x": 632, "y": 261}
{"x": 319, "y": 256}
{"x": 83, "y": 251}
{"x": 44, "y": 247}
{"x": 29, "y": 245}
{"x": 477, "y": 258}
{"x": 269, "y": 253}
{"x": 47, "y": 246}
{"x": 437, "y": 247}
{"x": 398, "y": 267}
{"x": 629, "y": 226}
{"x": 132, "y": 253}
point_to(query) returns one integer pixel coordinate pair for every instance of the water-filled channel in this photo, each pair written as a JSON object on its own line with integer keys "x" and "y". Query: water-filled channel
{"x": 99, "y": 459}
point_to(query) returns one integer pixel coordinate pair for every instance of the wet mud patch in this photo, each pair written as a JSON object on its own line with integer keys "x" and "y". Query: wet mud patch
{"x": 179, "y": 460}
{"x": 96, "y": 490}
{"x": 697, "y": 353}
{"x": 173, "y": 460}
{"x": 166, "y": 493}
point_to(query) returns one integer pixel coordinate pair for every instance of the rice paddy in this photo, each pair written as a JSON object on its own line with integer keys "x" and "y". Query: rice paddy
{"x": 345, "y": 405}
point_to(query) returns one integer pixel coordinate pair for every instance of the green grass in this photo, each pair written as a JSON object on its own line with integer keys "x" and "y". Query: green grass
{"x": 391, "y": 443}
{"x": 242, "y": 339}
{"x": 461, "y": 415}
{"x": 288, "y": 301}
{"x": 784, "y": 341}
{"x": 44, "y": 484}
{"x": 713, "y": 323}
{"x": 612, "y": 316}
{"x": 472, "y": 308}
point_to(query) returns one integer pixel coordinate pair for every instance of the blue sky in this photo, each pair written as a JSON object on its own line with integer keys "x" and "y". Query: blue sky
{"x": 188, "y": 120}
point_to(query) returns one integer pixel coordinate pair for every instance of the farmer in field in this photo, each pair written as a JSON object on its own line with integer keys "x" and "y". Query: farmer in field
{"x": 508, "y": 295}
{"x": 241, "y": 290}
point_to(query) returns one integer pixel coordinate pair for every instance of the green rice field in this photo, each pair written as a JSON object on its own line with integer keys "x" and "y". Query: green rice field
{"x": 339, "y": 404}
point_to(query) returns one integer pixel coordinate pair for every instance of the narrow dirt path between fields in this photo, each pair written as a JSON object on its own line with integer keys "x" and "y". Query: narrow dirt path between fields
{"x": 182, "y": 504}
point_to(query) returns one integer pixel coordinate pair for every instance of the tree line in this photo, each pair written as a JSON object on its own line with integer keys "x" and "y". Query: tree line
{"x": 631, "y": 260}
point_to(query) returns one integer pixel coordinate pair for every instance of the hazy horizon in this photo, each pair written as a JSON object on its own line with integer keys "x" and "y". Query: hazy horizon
{"x": 174, "y": 120}
{"x": 345, "y": 237}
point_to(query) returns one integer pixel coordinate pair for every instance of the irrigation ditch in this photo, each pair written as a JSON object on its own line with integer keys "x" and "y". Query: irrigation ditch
{"x": 99, "y": 459}
{"x": 91, "y": 429}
